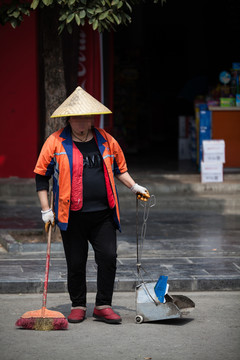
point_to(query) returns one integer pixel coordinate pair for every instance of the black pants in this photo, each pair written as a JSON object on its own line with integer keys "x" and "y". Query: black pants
{"x": 97, "y": 228}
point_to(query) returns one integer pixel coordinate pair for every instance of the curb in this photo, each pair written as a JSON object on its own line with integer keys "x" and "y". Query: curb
{"x": 155, "y": 182}
{"x": 13, "y": 247}
{"x": 121, "y": 285}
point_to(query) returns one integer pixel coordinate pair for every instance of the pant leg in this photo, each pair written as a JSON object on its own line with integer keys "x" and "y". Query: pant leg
{"x": 103, "y": 240}
{"x": 75, "y": 244}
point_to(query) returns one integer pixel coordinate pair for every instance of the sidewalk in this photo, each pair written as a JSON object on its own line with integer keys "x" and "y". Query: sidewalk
{"x": 192, "y": 236}
{"x": 210, "y": 332}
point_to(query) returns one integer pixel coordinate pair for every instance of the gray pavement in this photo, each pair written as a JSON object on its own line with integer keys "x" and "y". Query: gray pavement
{"x": 192, "y": 236}
{"x": 210, "y": 332}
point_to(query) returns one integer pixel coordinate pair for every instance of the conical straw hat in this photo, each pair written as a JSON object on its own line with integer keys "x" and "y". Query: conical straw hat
{"x": 80, "y": 103}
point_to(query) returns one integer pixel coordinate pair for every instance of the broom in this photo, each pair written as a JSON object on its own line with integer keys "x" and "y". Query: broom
{"x": 44, "y": 319}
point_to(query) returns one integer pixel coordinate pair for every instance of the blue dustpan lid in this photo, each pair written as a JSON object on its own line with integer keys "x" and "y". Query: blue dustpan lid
{"x": 161, "y": 287}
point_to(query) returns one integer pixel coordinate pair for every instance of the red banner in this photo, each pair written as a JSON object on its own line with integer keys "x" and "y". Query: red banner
{"x": 19, "y": 113}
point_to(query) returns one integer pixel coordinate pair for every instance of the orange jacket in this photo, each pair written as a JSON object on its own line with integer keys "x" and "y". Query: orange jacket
{"x": 56, "y": 159}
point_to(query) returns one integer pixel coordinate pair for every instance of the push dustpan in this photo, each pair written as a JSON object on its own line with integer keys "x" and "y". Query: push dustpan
{"x": 153, "y": 303}
{"x": 150, "y": 308}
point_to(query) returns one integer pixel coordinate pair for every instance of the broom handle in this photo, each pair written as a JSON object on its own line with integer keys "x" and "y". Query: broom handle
{"x": 44, "y": 300}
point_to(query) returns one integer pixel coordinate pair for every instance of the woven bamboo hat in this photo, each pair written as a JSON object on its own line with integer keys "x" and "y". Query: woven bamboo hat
{"x": 80, "y": 103}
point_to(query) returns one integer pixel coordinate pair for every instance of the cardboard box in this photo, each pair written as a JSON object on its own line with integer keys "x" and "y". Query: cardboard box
{"x": 211, "y": 172}
{"x": 225, "y": 102}
{"x": 214, "y": 150}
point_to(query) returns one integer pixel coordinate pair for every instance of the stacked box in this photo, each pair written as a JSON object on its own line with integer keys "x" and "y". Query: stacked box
{"x": 211, "y": 172}
{"x": 213, "y": 159}
{"x": 214, "y": 150}
{"x": 226, "y": 102}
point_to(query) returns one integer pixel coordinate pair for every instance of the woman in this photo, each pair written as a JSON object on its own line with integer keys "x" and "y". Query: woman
{"x": 83, "y": 161}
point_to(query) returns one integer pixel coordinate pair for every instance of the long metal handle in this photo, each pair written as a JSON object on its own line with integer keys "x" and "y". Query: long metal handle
{"x": 137, "y": 237}
{"x": 147, "y": 205}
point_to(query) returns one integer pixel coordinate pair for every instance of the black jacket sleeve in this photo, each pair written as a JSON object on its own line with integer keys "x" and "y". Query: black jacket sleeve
{"x": 42, "y": 182}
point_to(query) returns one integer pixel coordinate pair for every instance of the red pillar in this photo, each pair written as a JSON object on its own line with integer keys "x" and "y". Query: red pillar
{"x": 19, "y": 99}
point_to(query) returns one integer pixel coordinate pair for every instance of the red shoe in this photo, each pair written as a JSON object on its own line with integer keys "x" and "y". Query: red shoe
{"x": 77, "y": 315}
{"x": 107, "y": 315}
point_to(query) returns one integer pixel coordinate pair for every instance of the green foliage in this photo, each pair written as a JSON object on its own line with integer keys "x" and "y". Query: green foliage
{"x": 101, "y": 14}
{"x": 13, "y": 12}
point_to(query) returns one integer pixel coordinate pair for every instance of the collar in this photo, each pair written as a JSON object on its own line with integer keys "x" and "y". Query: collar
{"x": 100, "y": 139}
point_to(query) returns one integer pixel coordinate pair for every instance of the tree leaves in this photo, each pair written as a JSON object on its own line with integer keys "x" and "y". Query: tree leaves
{"x": 101, "y": 14}
{"x": 82, "y": 14}
{"x": 70, "y": 18}
{"x": 77, "y": 19}
{"x": 13, "y": 13}
{"x": 95, "y": 24}
{"x": 47, "y": 2}
{"x": 34, "y": 4}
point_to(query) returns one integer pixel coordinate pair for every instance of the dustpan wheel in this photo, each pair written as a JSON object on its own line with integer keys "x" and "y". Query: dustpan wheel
{"x": 139, "y": 319}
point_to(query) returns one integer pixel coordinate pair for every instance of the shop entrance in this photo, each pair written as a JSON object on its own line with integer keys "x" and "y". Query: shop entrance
{"x": 166, "y": 58}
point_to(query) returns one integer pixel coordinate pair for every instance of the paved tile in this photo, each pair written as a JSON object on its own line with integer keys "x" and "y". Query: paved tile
{"x": 197, "y": 250}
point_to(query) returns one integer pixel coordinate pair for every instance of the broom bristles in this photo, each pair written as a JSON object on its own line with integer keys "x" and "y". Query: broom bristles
{"x": 42, "y": 324}
{"x": 42, "y": 319}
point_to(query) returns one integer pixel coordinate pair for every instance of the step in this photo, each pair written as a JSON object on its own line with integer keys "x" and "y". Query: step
{"x": 156, "y": 183}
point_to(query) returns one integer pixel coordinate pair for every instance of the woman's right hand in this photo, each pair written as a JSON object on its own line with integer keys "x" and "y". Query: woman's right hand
{"x": 48, "y": 217}
{"x": 142, "y": 192}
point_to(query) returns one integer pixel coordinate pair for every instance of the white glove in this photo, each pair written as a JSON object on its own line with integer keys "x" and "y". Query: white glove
{"x": 141, "y": 191}
{"x": 48, "y": 216}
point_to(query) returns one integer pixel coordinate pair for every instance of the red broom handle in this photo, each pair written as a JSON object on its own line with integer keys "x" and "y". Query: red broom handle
{"x": 44, "y": 300}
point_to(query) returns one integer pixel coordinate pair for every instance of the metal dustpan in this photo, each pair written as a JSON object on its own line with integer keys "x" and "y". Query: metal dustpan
{"x": 153, "y": 302}
{"x": 151, "y": 307}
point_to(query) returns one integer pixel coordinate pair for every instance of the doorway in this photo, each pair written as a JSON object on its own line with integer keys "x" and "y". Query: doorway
{"x": 167, "y": 57}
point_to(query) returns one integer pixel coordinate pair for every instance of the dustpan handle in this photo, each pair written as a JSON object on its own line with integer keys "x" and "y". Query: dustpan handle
{"x": 137, "y": 236}
{"x": 44, "y": 300}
